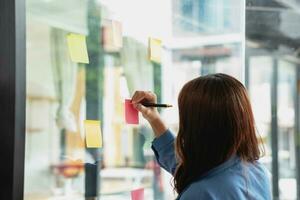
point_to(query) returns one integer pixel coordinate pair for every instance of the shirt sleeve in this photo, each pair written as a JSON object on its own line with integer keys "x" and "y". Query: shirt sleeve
{"x": 164, "y": 151}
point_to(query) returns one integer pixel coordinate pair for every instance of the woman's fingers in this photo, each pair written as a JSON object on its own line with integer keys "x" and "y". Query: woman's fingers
{"x": 150, "y": 96}
{"x": 138, "y": 96}
{"x": 143, "y": 95}
{"x": 148, "y": 113}
{"x": 141, "y": 108}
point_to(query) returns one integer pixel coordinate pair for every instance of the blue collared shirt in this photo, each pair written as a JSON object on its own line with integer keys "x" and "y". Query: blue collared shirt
{"x": 232, "y": 180}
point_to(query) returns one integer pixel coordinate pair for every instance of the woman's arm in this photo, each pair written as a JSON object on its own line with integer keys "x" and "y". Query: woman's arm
{"x": 163, "y": 147}
{"x": 163, "y": 144}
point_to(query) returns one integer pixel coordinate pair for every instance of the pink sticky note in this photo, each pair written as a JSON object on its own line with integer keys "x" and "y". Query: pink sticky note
{"x": 137, "y": 194}
{"x": 131, "y": 114}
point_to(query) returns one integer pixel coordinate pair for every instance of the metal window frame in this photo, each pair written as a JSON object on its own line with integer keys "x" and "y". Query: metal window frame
{"x": 12, "y": 98}
{"x": 274, "y": 122}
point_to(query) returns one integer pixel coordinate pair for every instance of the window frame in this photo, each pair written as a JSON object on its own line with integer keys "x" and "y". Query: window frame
{"x": 13, "y": 99}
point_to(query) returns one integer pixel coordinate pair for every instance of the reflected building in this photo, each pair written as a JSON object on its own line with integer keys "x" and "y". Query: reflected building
{"x": 207, "y": 37}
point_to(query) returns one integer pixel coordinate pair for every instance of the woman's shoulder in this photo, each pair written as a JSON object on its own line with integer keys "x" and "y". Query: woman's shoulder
{"x": 258, "y": 174}
{"x": 213, "y": 188}
{"x": 238, "y": 181}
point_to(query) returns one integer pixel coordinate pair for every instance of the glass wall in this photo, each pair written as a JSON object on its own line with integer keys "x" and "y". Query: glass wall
{"x": 61, "y": 93}
{"x": 198, "y": 37}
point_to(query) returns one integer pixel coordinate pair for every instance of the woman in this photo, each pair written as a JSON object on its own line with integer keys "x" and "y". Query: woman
{"x": 215, "y": 155}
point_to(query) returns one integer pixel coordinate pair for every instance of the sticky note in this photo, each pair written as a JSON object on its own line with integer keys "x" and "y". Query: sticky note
{"x": 93, "y": 134}
{"x": 137, "y": 194}
{"x": 77, "y": 48}
{"x": 131, "y": 114}
{"x": 117, "y": 32}
{"x": 155, "y": 50}
{"x": 112, "y": 36}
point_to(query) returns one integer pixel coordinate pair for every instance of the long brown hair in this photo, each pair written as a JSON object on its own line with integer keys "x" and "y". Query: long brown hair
{"x": 216, "y": 122}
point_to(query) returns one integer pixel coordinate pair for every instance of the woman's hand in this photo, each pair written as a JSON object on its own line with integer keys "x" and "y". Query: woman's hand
{"x": 149, "y": 113}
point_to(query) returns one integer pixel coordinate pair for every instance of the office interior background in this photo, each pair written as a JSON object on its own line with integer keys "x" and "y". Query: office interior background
{"x": 256, "y": 41}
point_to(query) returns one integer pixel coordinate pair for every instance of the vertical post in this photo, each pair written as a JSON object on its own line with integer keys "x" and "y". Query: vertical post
{"x": 94, "y": 95}
{"x": 12, "y": 101}
{"x": 297, "y": 129}
{"x": 274, "y": 130}
{"x": 157, "y": 75}
{"x": 247, "y": 71}
{"x": 208, "y": 66}
{"x": 157, "y": 80}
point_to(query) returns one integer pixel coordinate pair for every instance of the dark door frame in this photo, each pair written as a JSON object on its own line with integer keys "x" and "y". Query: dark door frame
{"x": 297, "y": 128}
{"x": 12, "y": 98}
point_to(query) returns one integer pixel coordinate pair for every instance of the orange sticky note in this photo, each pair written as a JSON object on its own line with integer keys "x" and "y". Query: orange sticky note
{"x": 131, "y": 114}
{"x": 155, "y": 50}
{"x": 137, "y": 194}
{"x": 112, "y": 36}
{"x": 77, "y": 48}
{"x": 93, "y": 134}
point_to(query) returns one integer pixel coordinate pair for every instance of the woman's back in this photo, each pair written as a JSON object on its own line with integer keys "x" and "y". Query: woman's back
{"x": 233, "y": 179}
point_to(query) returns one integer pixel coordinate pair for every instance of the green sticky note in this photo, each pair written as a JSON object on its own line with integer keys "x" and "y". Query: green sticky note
{"x": 77, "y": 48}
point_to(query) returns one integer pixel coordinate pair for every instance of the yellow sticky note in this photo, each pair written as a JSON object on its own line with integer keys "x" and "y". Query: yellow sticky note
{"x": 77, "y": 48}
{"x": 155, "y": 50}
{"x": 93, "y": 134}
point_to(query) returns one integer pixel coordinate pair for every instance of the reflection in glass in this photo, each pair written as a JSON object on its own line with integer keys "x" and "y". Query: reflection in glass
{"x": 61, "y": 94}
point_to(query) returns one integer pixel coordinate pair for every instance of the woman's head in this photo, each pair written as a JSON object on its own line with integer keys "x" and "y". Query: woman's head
{"x": 216, "y": 122}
